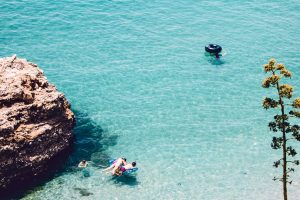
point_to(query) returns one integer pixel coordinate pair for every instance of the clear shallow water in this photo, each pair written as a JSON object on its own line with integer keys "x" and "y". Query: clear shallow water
{"x": 137, "y": 78}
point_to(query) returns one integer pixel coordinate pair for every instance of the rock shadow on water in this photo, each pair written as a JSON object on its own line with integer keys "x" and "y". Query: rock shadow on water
{"x": 90, "y": 143}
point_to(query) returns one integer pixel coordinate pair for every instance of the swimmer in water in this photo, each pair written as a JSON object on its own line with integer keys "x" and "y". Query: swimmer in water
{"x": 116, "y": 165}
{"x": 83, "y": 164}
{"x": 123, "y": 169}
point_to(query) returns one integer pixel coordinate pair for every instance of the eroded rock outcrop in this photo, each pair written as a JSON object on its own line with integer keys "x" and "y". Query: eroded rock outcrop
{"x": 35, "y": 121}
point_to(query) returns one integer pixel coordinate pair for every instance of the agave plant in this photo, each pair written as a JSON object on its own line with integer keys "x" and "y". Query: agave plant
{"x": 281, "y": 123}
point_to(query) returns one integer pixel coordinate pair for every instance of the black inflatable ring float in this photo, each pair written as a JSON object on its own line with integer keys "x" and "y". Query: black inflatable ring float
{"x": 213, "y": 48}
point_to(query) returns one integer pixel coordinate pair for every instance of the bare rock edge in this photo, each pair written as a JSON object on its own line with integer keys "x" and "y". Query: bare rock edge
{"x": 35, "y": 122}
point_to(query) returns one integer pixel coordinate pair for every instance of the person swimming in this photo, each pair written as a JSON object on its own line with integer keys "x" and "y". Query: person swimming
{"x": 116, "y": 165}
{"x": 213, "y": 50}
{"x": 83, "y": 164}
{"x": 123, "y": 169}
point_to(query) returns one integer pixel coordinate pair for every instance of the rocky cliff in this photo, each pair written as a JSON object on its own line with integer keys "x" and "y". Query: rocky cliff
{"x": 35, "y": 122}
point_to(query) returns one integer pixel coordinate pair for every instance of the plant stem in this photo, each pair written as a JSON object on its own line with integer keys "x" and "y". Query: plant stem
{"x": 284, "y": 170}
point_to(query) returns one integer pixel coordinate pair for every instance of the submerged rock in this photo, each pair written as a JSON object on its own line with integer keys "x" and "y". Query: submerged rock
{"x": 83, "y": 191}
{"x": 35, "y": 122}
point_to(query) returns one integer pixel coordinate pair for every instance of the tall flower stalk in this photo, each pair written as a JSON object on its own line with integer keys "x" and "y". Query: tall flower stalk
{"x": 283, "y": 130}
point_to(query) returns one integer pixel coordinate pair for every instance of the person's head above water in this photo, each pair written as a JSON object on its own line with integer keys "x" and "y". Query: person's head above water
{"x": 124, "y": 159}
{"x": 82, "y": 164}
{"x": 133, "y": 164}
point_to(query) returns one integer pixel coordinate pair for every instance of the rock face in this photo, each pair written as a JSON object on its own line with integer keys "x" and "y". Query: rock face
{"x": 35, "y": 122}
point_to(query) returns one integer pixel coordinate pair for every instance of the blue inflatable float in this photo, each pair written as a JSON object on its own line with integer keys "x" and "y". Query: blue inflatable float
{"x": 127, "y": 172}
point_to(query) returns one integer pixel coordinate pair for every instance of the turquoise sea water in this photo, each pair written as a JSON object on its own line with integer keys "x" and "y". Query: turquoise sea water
{"x": 141, "y": 87}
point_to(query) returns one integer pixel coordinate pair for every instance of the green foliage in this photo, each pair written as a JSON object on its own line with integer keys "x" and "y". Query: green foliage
{"x": 295, "y": 113}
{"x": 281, "y": 120}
